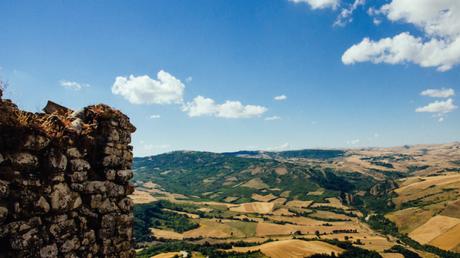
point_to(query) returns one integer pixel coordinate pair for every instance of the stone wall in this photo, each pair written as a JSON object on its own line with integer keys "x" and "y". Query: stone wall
{"x": 64, "y": 182}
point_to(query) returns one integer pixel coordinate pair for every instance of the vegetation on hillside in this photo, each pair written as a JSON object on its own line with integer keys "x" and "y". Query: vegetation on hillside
{"x": 207, "y": 249}
{"x": 306, "y": 154}
{"x": 223, "y": 175}
{"x": 250, "y": 176}
{"x": 153, "y": 215}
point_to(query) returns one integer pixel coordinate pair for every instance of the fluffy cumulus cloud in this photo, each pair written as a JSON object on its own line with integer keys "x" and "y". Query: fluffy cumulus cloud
{"x": 202, "y": 106}
{"x": 439, "y": 107}
{"x": 280, "y": 97}
{"x": 439, "y": 20}
{"x": 319, "y": 4}
{"x": 438, "y": 93}
{"x": 404, "y": 48}
{"x": 72, "y": 85}
{"x": 166, "y": 89}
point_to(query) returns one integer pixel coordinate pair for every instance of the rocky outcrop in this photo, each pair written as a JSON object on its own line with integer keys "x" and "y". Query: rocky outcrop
{"x": 383, "y": 188}
{"x": 64, "y": 182}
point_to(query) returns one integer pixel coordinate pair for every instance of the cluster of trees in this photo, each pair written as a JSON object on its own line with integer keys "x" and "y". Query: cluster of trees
{"x": 331, "y": 181}
{"x": 336, "y": 210}
{"x": 350, "y": 251}
{"x": 404, "y": 251}
{"x": 207, "y": 249}
{"x": 152, "y": 215}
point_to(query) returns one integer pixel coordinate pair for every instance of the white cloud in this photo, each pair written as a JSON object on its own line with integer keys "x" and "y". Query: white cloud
{"x": 73, "y": 85}
{"x": 272, "y": 118}
{"x": 154, "y": 116}
{"x": 189, "y": 79}
{"x": 434, "y": 17}
{"x": 234, "y": 109}
{"x": 438, "y": 93}
{"x": 280, "y": 97}
{"x": 376, "y": 21}
{"x": 166, "y": 89}
{"x": 405, "y": 48}
{"x": 319, "y": 4}
{"x": 202, "y": 106}
{"x": 439, "y": 47}
{"x": 345, "y": 15}
{"x": 439, "y": 107}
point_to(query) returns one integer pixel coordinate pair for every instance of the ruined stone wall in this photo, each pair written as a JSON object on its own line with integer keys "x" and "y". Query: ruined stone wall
{"x": 64, "y": 181}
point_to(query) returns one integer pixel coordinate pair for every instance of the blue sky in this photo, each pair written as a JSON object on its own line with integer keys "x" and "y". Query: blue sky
{"x": 245, "y": 52}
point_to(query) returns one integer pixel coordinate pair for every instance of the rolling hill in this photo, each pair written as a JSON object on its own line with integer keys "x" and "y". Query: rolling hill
{"x": 379, "y": 199}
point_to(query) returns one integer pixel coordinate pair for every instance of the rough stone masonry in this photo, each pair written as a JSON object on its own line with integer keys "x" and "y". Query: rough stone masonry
{"x": 64, "y": 182}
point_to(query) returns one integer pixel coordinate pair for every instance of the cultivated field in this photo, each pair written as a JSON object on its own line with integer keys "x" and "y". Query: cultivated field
{"x": 436, "y": 230}
{"x": 449, "y": 240}
{"x": 254, "y": 207}
{"x": 292, "y": 248}
{"x": 263, "y": 198}
{"x": 166, "y": 234}
{"x": 299, "y": 204}
{"x": 423, "y": 198}
{"x": 255, "y": 183}
{"x": 217, "y": 228}
{"x": 140, "y": 197}
{"x": 422, "y": 182}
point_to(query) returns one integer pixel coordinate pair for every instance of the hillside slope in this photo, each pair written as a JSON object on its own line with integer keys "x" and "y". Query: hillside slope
{"x": 376, "y": 196}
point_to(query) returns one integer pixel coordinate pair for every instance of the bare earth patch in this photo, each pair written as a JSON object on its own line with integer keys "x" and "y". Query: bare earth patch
{"x": 221, "y": 228}
{"x": 255, "y": 183}
{"x": 254, "y": 207}
{"x": 279, "y": 201}
{"x": 452, "y": 210}
{"x": 285, "y": 194}
{"x": 319, "y": 192}
{"x": 167, "y": 255}
{"x": 299, "y": 204}
{"x": 140, "y": 197}
{"x": 281, "y": 171}
{"x": 166, "y": 234}
{"x": 263, "y": 198}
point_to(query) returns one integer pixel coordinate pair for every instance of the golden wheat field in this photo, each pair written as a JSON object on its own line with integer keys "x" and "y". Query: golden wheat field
{"x": 292, "y": 248}
{"x": 433, "y": 228}
{"x": 254, "y": 207}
